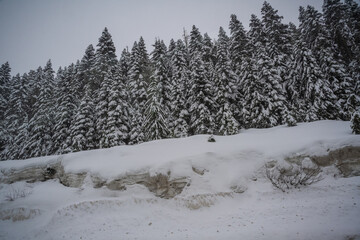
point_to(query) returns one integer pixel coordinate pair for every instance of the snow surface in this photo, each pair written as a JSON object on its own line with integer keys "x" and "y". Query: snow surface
{"x": 208, "y": 208}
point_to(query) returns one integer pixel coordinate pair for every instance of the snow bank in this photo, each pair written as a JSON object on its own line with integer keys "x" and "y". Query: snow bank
{"x": 227, "y": 196}
{"x": 179, "y": 155}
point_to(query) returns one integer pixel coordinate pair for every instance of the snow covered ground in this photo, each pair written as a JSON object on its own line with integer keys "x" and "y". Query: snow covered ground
{"x": 206, "y": 209}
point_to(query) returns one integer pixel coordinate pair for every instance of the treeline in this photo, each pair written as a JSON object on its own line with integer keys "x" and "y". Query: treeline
{"x": 273, "y": 74}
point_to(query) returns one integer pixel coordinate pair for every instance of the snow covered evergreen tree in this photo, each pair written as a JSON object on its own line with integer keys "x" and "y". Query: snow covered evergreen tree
{"x": 101, "y": 111}
{"x": 264, "y": 101}
{"x": 225, "y": 88}
{"x": 180, "y": 93}
{"x": 138, "y": 82}
{"x": 41, "y": 125}
{"x": 105, "y": 58}
{"x": 5, "y": 78}
{"x": 335, "y": 15}
{"x": 5, "y": 71}
{"x": 16, "y": 114}
{"x": 355, "y": 123}
{"x": 201, "y": 96}
{"x": 104, "y": 70}
{"x": 238, "y": 43}
{"x": 85, "y": 76}
{"x": 316, "y": 36}
{"x": 161, "y": 69}
{"x": 155, "y": 125}
{"x": 65, "y": 110}
{"x": 118, "y": 119}
{"x": 82, "y": 130}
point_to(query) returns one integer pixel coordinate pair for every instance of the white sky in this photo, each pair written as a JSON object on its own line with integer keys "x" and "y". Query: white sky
{"x": 31, "y": 32}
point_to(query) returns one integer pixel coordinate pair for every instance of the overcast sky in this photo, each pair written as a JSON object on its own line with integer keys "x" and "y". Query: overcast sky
{"x": 33, "y": 31}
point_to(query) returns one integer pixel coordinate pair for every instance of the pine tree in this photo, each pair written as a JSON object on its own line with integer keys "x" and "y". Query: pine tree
{"x": 85, "y": 74}
{"x": 5, "y": 78}
{"x": 138, "y": 82}
{"x": 316, "y": 36}
{"x": 335, "y": 15}
{"x": 101, "y": 111}
{"x": 15, "y": 115}
{"x": 155, "y": 124}
{"x": 35, "y": 78}
{"x": 264, "y": 101}
{"x": 105, "y": 58}
{"x": 82, "y": 129}
{"x": 125, "y": 65}
{"x": 180, "y": 79}
{"x": 104, "y": 69}
{"x": 225, "y": 88}
{"x": 161, "y": 68}
{"x": 238, "y": 43}
{"x": 41, "y": 125}
{"x": 355, "y": 123}
{"x": 5, "y": 71}
{"x": 118, "y": 121}
{"x": 201, "y": 96}
{"x": 65, "y": 110}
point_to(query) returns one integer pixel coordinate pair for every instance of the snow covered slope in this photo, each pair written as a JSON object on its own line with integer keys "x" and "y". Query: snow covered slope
{"x": 227, "y": 195}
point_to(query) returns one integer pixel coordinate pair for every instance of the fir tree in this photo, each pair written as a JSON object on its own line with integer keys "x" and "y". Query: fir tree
{"x": 5, "y": 77}
{"x": 82, "y": 129}
{"x": 180, "y": 79}
{"x": 201, "y": 97}
{"x": 355, "y": 123}
{"x": 225, "y": 88}
{"x": 16, "y": 114}
{"x": 102, "y": 106}
{"x": 65, "y": 110}
{"x": 41, "y": 125}
{"x": 118, "y": 121}
{"x": 5, "y": 71}
{"x": 155, "y": 124}
{"x": 238, "y": 43}
{"x": 138, "y": 81}
{"x": 161, "y": 69}
{"x": 86, "y": 71}
{"x": 105, "y": 58}
{"x": 333, "y": 73}
{"x": 335, "y": 15}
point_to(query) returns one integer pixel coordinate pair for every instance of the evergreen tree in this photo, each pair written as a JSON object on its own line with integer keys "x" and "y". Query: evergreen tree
{"x": 82, "y": 130}
{"x": 5, "y": 77}
{"x": 238, "y": 43}
{"x": 155, "y": 124}
{"x": 161, "y": 69}
{"x": 101, "y": 111}
{"x": 138, "y": 82}
{"x": 16, "y": 115}
{"x": 225, "y": 88}
{"x": 118, "y": 121}
{"x": 180, "y": 79}
{"x": 333, "y": 73}
{"x": 125, "y": 65}
{"x": 35, "y": 80}
{"x": 201, "y": 96}
{"x": 105, "y": 58}
{"x": 5, "y": 71}
{"x": 41, "y": 125}
{"x": 65, "y": 110}
{"x": 355, "y": 123}
{"x": 86, "y": 71}
{"x": 335, "y": 16}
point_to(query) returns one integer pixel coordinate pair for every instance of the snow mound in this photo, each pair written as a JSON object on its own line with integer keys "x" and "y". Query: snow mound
{"x": 218, "y": 190}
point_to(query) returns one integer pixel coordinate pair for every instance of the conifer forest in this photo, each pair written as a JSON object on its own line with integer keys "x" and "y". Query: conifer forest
{"x": 271, "y": 74}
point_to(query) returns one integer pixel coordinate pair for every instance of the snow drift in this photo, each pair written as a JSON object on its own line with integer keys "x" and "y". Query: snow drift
{"x": 123, "y": 190}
